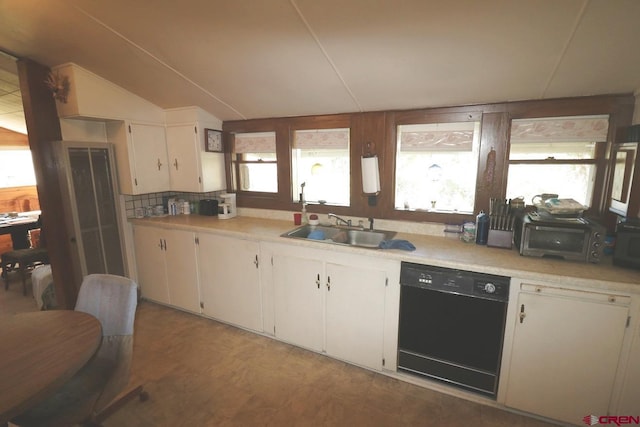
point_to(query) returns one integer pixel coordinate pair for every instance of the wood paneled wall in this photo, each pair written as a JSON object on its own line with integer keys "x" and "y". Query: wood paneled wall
{"x": 19, "y": 199}
{"x": 15, "y": 199}
{"x": 9, "y": 138}
{"x": 43, "y": 127}
{"x": 379, "y": 128}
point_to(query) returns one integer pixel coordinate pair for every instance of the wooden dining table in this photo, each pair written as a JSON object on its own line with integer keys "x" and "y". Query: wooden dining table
{"x": 39, "y": 352}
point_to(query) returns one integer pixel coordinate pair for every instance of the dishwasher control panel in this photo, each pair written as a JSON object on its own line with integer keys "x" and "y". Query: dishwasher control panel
{"x": 451, "y": 280}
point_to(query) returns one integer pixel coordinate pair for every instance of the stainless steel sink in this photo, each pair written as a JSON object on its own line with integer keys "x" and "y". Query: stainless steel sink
{"x": 340, "y": 235}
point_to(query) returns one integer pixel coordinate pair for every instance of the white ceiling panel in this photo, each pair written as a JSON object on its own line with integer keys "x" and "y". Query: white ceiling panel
{"x": 604, "y": 54}
{"x": 272, "y": 58}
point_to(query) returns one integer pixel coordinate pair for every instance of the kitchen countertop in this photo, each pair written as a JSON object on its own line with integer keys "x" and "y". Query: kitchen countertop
{"x": 432, "y": 250}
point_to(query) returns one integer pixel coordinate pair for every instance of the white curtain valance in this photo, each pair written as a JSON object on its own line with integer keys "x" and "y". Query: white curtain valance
{"x": 437, "y": 137}
{"x": 560, "y": 129}
{"x": 335, "y": 139}
{"x": 256, "y": 142}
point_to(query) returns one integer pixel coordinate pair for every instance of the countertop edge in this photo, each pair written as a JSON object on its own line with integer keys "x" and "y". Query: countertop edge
{"x": 433, "y": 250}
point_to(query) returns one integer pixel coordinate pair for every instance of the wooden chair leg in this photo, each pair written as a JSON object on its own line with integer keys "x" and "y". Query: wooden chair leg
{"x": 114, "y": 406}
{"x": 5, "y": 275}
{"x": 23, "y": 275}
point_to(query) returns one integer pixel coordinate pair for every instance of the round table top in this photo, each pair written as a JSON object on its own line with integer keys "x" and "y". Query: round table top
{"x": 39, "y": 352}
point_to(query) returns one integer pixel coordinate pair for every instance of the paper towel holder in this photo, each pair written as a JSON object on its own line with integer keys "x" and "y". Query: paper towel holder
{"x": 370, "y": 172}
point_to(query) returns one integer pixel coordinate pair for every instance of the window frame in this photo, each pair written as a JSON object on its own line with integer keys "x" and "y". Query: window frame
{"x": 601, "y": 160}
{"x": 239, "y": 160}
{"x": 379, "y": 129}
{"x": 305, "y": 127}
{"x": 429, "y": 117}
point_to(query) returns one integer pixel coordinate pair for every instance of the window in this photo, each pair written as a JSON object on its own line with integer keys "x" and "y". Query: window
{"x": 436, "y": 166}
{"x": 555, "y": 155}
{"x": 255, "y": 163}
{"x": 320, "y": 160}
{"x": 16, "y": 168}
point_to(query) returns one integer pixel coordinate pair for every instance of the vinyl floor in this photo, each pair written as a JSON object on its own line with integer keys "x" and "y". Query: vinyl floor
{"x": 200, "y": 372}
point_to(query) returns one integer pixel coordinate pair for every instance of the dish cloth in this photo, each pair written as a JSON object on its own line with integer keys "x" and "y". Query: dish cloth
{"x": 316, "y": 235}
{"x": 405, "y": 245}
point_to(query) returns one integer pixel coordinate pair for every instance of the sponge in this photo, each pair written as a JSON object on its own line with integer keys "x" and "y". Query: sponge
{"x": 316, "y": 235}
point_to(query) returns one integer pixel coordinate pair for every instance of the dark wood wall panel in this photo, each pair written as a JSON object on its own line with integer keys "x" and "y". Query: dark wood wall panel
{"x": 379, "y": 129}
{"x": 43, "y": 128}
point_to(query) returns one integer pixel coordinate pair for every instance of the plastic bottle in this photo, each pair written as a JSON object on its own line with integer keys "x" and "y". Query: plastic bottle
{"x": 482, "y": 228}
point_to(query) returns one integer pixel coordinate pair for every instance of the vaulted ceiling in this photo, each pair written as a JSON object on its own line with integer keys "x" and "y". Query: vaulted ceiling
{"x": 273, "y": 58}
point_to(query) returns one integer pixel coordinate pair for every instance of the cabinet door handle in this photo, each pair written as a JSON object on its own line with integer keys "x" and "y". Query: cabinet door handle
{"x": 175, "y": 163}
{"x": 318, "y": 281}
{"x": 159, "y": 163}
{"x": 522, "y": 313}
{"x": 328, "y": 283}
{"x": 160, "y": 245}
{"x": 256, "y": 261}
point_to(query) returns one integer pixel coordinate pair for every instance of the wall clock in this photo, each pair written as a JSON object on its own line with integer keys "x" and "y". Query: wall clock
{"x": 213, "y": 140}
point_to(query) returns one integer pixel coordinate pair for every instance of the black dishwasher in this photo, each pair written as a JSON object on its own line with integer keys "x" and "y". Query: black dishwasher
{"x": 452, "y": 325}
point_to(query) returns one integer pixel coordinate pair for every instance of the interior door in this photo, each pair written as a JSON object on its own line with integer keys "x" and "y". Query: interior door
{"x": 94, "y": 204}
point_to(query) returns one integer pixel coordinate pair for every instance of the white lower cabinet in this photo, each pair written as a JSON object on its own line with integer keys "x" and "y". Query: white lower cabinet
{"x": 167, "y": 266}
{"x": 229, "y": 280}
{"x": 331, "y": 306}
{"x": 354, "y": 310}
{"x": 298, "y": 306}
{"x": 565, "y": 351}
{"x": 629, "y": 403}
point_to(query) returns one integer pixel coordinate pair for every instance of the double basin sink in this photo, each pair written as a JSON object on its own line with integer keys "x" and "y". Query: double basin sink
{"x": 349, "y": 236}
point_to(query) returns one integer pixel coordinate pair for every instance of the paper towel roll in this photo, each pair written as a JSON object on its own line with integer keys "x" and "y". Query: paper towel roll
{"x": 370, "y": 175}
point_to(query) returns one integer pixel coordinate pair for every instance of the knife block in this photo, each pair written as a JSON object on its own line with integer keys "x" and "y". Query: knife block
{"x": 500, "y": 239}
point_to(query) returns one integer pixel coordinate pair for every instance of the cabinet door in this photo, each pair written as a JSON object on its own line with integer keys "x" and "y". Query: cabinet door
{"x": 183, "y": 158}
{"x": 630, "y": 398}
{"x": 355, "y": 314}
{"x": 298, "y": 291}
{"x": 152, "y": 275}
{"x": 182, "y": 269}
{"x": 149, "y": 149}
{"x": 229, "y": 280}
{"x": 564, "y": 356}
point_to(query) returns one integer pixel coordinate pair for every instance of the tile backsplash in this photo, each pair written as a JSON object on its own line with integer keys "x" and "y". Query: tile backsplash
{"x": 153, "y": 199}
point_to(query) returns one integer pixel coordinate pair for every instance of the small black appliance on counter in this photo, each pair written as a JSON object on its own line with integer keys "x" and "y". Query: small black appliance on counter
{"x": 627, "y": 250}
{"x": 208, "y": 207}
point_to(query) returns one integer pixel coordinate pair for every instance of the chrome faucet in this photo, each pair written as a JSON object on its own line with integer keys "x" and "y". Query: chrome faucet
{"x": 340, "y": 220}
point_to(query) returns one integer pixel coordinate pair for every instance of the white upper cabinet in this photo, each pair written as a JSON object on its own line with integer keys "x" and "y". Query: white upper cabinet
{"x": 141, "y": 155}
{"x": 191, "y": 167}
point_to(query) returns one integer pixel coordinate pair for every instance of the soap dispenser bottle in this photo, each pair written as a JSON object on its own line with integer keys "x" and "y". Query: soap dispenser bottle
{"x": 305, "y": 218}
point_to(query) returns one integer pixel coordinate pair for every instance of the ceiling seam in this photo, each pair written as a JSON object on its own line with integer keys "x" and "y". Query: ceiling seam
{"x": 326, "y": 54}
{"x": 574, "y": 29}
{"x": 158, "y": 60}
